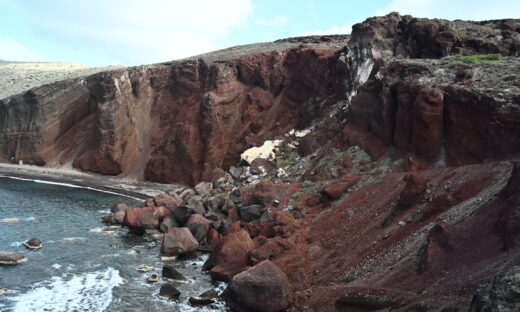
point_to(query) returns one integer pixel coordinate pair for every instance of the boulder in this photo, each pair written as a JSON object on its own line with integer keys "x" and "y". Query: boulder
{"x": 205, "y": 298}
{"x": 215, "y": 203}
{"x": 172, "y": 275}
{"x": 133, "y": 215}
{"x": 203, "y": 188}
{"x": 148, "y": 221}
{"x": 169, "y": 291}
{"x": 178, "y": 241}
{"x": 262, "y": 288}
{"x": 250, "y": 213}
{"x": 167, "y": 200}
{"x": 199, "y": 226}
{"x": 501, "y": 293}
{"x": 168, "y": 223}
{"x": 33, "y": 243}
{"x": 153, "y": 278}
{"x": 236, "y": 172}
{"x": 11, "y": 258}
{"x": 217, "y": 174}
{"x": 231, "y": 254}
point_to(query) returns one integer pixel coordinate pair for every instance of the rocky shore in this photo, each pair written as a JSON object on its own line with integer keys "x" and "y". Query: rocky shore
{"x": 377, "y": 171}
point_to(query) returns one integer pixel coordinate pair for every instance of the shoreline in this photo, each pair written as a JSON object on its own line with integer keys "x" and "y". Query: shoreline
{"x": 95, "y": 182}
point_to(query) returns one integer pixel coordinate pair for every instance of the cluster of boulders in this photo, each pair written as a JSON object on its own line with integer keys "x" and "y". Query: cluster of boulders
{"x": 13, "y": 258}
{"x": 237, "y": 218}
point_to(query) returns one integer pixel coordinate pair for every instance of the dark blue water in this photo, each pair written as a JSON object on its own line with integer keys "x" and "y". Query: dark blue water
{"x": 82, "y": 267}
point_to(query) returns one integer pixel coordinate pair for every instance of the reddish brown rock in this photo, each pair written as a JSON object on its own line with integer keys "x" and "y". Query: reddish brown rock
{"x": 133, "y": 215}
{"x": 231, "y": 254}
{"x": 178, "y": 241}
{"x": 413, "y": 191}
{"x": 167, "y": 200}
{"x": 337, "y": 188}
{"x": 198, "y": 225}
{"x": 262, "y": 288}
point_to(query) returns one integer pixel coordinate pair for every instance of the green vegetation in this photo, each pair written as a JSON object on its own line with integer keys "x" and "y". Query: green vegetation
{"x": 462, "y": 33}
{"x": 349, "y": 276}
{"x": 477, "y": 58}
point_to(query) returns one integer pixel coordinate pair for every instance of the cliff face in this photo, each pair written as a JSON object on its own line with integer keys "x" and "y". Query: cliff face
{"x": 171, "y": 122}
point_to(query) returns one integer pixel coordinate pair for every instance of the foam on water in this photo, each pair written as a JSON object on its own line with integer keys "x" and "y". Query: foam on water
{"x": 87, "y": 292}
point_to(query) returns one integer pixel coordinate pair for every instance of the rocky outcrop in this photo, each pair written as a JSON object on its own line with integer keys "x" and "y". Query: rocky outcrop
{"x": 499, "y": 294}
{"x": 11, "y": 258}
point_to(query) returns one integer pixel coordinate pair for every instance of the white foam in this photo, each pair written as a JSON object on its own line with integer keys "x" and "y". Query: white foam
{"x": 88, "y": 292}
{"x": 56, "y": 266}
{"x": 71, "y": 185}
{"x": 16, "y": 244}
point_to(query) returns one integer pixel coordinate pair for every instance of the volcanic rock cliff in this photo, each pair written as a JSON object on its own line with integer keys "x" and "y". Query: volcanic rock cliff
{"x": 401, "y": 192}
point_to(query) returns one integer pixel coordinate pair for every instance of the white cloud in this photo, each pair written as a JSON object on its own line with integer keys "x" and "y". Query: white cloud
{"x": 133, "y": 31}
{"x": 450, "y": 9}
{"x": 334, "y": 30}
{"x": 275, "y": 21}
{"x": 10, "y": 50}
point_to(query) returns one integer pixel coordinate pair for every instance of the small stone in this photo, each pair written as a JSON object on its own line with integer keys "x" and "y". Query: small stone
{"x": 401, "y": 223}
{"x": 144, "y": 269}
{"x": 153, "y": 278}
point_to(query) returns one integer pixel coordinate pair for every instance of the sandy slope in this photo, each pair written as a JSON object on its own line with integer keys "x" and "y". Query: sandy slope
{"x": 17, "y": 77}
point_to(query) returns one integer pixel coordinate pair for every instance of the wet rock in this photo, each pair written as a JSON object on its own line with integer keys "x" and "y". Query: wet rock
{"x": 250, "y": 213}
{"x": 154, "y": 278}
{"x": 144, "y": 269}
{"x": 133, "y": 215}
{"x": 148, "y": 221}
{"x": 33, "y": 243}
{"x": 203, "y": 188}
{"x": 178, "y": 241}
{"x": 171, "y": 274}
{"x": 11, "y": 258}
{"x": 168, "y": 291}
{"x": 263, "y": 287}
{"x": 168, "y": 223}
{"x": 198, "y": 301}
{"x": 199, "y": 226}
{"x": 501, "y": 293}
{"x": 231, "y": 255}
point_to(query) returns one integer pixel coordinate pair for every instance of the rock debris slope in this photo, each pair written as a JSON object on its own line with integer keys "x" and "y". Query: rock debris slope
{"x": 394, "y": 183}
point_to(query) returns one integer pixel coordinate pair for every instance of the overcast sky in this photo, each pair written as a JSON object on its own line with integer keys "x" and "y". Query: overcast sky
{"x": 131, "y": 32}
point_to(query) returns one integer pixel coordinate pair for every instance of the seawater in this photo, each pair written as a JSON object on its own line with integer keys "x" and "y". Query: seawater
{"x": 82, "y": 267}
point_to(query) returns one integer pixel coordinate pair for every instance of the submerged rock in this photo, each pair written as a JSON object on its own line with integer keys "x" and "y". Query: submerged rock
{"x": 262, "y": 288}
{"x": 33, "y": 243}
{"x": 11, "y": 258}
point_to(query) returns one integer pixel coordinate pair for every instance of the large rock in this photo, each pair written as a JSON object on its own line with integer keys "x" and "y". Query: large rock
{"x": 168, "y": 291}
{"x": 167, "y": 200}
{"x": 133, "y": 216}
{"x": 199, "y": 226}
{"x": 203, "y": 188}
{"x": 231, "y": 255}
{"x": 33, "y": 243}
{"x": 178, "y": 241}
{"x": 11, "y": 258}
{"x": 250, "y": 213}
{"x": 168, "y": 223}
{"x": 262, "y": 288}
{"x": 502, "y": 293}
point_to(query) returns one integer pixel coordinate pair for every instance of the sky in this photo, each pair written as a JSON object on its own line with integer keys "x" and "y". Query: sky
{"x": 131, "y": 32}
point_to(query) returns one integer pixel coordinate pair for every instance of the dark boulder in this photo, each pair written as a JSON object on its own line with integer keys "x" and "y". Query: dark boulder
{"x": 250, "y": 213}
{"x": 502, "y": 293}
{"x": 262, "y": 288}
{"x": 169, "y": 291}
{"x": 11, "y": 258}
{"x": 171, "y": 274}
